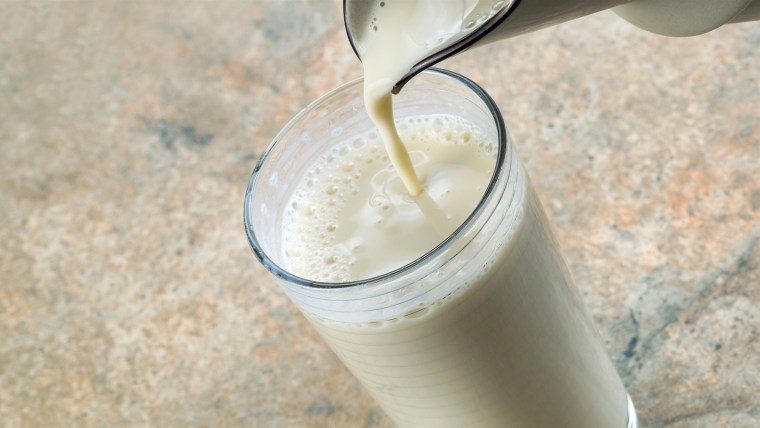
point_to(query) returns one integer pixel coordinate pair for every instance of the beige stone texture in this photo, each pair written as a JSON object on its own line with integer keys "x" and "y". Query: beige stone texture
{"x": 128, "y": 130}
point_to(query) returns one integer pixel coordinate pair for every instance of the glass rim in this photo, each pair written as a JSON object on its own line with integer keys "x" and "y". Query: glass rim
{"x": 503, "y": 141}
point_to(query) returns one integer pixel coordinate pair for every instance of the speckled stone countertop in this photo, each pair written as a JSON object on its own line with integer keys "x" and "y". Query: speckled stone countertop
{"x": 128, "y": 130}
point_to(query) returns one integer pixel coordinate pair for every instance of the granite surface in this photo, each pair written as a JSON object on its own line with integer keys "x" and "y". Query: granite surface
{"x": 128, "y": 130}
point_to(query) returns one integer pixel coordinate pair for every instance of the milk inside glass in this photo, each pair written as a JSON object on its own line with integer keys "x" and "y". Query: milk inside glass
{"x": 351, "y": 218}
{"x": 505, "y": 342}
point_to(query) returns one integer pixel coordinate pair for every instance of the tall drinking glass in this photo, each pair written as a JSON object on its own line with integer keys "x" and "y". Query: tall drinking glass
{"x": 485, "y": 330}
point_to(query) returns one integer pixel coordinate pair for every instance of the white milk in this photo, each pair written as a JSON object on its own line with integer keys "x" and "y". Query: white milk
{"x": 398, "y": 35}
{"x": 351, "y": 218}
{"x": 508, "y": 342}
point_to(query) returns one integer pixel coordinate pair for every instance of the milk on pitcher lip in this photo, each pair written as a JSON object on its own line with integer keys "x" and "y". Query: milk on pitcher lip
{"x": 414, "y": 29}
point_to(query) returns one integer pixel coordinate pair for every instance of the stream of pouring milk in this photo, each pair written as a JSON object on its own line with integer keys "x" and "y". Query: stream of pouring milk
{"x": 399, "y": 35}
{"x": 399, "y": 223}
{"x": 338, "y": 229}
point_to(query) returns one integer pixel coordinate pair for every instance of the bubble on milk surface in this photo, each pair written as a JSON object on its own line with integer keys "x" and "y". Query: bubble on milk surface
{"x": 312, "y": 216}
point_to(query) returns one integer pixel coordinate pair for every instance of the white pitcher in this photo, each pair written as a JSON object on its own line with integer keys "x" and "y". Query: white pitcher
{"x": 514, "y": 17}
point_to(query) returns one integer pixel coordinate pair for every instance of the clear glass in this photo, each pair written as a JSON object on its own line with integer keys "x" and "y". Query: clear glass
{"x": 486, "y": 329}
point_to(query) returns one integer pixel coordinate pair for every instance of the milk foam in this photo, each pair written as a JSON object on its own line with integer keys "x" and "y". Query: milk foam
{"x": 351, "y": 217}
